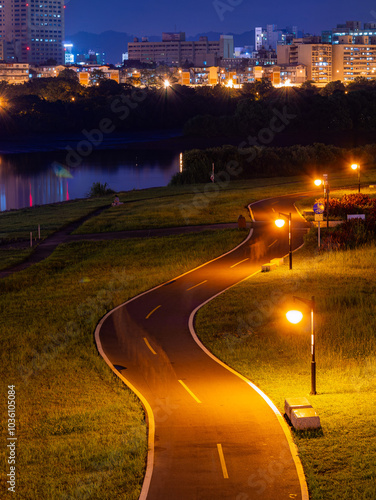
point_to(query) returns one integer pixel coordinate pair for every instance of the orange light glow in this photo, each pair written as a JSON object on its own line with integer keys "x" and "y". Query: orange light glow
{"x": 294, "y": 317}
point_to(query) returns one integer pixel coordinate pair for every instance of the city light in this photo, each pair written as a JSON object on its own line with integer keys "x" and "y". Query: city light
{"x": 355, "y": 166}
{"x": 294, "y": 317}
{"x": 325, "y": 182}
{"x": 167, "y": 84}
{"x": 280, "y": 222}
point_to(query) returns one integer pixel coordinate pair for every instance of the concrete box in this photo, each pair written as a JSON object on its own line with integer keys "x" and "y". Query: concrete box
{"x": 296, "y": 404}
{"x": 305, "y": 419}
{"x": 277, "y": 261}
{"x": 265, "y": 268}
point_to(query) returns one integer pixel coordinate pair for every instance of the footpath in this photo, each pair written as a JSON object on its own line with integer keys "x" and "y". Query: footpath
{"x": 64, "y": 235}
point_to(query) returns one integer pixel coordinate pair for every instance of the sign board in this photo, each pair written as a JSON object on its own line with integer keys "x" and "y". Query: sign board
{"x": 356, "y": 216}
{"x": 318, "y": 208}
{"x": 319, "y": 217}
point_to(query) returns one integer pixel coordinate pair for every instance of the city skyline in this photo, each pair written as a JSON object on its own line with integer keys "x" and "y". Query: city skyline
{"x": 150, "y": 18}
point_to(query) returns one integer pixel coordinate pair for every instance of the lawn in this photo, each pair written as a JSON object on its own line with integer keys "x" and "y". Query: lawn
{"x": 191, "y": 205}
{"x": 247, "y": 329}
{"x": 80, "y": 432}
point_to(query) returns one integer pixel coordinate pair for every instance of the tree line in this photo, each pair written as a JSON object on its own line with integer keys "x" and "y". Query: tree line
{"x": 62, "y": 104}
{"x": 234, "y": 163}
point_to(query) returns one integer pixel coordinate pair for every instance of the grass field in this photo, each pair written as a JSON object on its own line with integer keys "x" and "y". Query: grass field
{"x": 10, "y": 257}
{"x": 81, "y": 433}
{"x": 246, "y": 328}
{"x": 192, "y": 205}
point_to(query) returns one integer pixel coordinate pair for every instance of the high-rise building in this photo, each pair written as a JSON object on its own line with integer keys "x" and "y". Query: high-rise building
{"x": 273, "y": 36}
{"x": 354, "y": 57}
{"x": 32, "y": 31}
{"x": 317, "y": 57}
{"x": 260, "y": 38}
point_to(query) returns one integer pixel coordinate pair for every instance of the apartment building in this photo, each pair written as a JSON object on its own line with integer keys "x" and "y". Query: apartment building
{"x": 316, "y": 57}
{"x": 14, "y": 73}
{"x": 32, "y": 31}
{"x": 352, "y": 59}
{"x": 174, "y": 50}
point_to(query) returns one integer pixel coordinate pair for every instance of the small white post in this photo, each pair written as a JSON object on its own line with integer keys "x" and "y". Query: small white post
{"x": 31, "y": 239}
{"x": 318, "y": 233}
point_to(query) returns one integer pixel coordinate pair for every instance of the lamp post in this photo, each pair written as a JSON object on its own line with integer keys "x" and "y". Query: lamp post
{"x": 295, "y": 317}
{"x": 325, "y": 181}
{"x": 355, "y": 166}
{"x": 281, "y": 223}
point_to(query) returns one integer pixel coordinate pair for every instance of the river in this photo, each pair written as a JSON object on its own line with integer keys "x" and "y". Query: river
{"x": 39, "y": 171}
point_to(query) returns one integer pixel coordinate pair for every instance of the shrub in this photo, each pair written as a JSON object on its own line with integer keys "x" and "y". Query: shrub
{"x": 98, "y": 189}
{"x": 350, "y": 204}
{"x": 350, "y": 234}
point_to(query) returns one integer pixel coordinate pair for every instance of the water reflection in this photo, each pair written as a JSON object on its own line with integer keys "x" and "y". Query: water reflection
{"x": 41, "y": 178}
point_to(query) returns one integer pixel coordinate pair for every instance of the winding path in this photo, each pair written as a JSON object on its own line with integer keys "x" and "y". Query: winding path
{"x": 212, "y": 433}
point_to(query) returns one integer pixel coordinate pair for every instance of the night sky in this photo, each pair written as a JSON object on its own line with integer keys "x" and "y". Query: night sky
{"x": 151, "y": 17}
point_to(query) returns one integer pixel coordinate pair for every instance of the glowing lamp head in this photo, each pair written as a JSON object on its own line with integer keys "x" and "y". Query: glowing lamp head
{"x": 354, "y": 166}
{"x": 166, "y": 84}
{"x": 318, "y": 182}
{"x": 294, "y": 317}
{"x": 280, "y": 222}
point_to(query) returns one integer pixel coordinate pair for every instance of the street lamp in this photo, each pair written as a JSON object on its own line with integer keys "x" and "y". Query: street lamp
{"x": 355, "y": 166}
{"x": 281, "y": 223}
{"x": 295, "y": 317}
{"x": 325, "y": 181}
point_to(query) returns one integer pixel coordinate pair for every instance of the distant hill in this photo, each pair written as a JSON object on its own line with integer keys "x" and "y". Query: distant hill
{"x": 114, "y": 43}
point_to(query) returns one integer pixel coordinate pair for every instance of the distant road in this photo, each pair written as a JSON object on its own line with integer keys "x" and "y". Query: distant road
{"x": 212, "y": 434}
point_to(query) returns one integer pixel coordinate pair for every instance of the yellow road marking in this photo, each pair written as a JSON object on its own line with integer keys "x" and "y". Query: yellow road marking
{"x": 151, "y": 312}
{"x": 202, "y": 282}
{"x": 222, "y": 459}
{"x": 149, "y": 346}
{"x": 190, "y": 392}
{"x": 239, "y": 263}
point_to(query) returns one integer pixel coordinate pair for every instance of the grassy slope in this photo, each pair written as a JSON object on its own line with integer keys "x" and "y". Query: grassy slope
{"x": 81, "y": 432}
{"x": 195, "y": 205}
{"x": 252, "y": 335}
{"x": 49, "y": 313}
